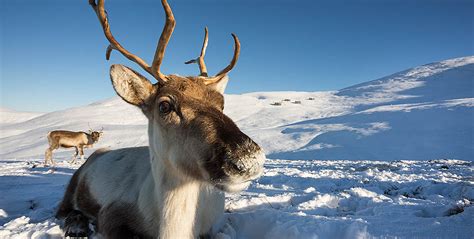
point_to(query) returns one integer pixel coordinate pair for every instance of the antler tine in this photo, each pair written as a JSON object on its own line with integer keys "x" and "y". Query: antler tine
{"x": 163, "y": 42}
{"x": 200, "y": 59}
{"x": 202, "y": 64}
{"x": 114, "y": 44}
{"x": 231, "y": 65}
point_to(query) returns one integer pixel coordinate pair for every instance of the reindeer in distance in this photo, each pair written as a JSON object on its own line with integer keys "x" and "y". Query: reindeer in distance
{"x": 70, "y": 139}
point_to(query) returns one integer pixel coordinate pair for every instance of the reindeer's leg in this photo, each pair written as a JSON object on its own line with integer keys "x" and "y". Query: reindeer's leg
{"x": 47, "y": 156}
{"x": 82, "y": 152}
{"x": 53, "y": 146}
{"x": 74, "y": 156}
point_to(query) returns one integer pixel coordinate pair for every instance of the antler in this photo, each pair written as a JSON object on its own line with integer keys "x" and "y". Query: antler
{"x": 231, "y": 65}
{"x": 165, "y": 36}
{"x": 164, "y": 39}
{"x": 202, "y": 65}
{"x": 154, "y": 70}
{"x": 200, "y": 59}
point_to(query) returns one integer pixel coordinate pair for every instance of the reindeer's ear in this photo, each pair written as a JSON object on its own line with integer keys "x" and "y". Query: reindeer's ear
{"x": 219, "y": 85}
{"x": 130, "y": 85}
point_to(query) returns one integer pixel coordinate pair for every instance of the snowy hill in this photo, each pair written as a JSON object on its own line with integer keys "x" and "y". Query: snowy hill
{"x": 120, "y": 121}
{"x": 419, "y": 114}
{"x": 390, "y": 158}
{"x": 422, "y": 113}
{"x": 8, "y": 116}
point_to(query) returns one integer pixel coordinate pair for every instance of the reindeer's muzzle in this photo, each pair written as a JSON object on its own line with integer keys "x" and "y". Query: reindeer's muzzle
{"x": 242, "y": 164}
{"x": 233, "y": 158}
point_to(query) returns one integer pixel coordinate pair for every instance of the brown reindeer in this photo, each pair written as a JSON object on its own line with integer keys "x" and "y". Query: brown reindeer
{"x": 70, "y": 139}
{"x": 174, "y": 187}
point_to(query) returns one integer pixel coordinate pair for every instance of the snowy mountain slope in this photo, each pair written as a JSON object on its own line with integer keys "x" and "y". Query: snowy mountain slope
{"x": 124, "y": 126}
{"x": 450, "y": 79}
{"x": 421, "y": 114}
{"x": 8, "y": 116}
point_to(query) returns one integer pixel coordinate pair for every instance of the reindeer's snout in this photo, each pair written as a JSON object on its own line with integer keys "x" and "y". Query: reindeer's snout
{"x": 233, "y": 159}
{"x": 246, "y": 161}
{"x": 242, "y": 163}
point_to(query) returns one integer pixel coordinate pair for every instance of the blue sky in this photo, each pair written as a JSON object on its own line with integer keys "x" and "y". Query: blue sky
{"x": 52, "y": 51}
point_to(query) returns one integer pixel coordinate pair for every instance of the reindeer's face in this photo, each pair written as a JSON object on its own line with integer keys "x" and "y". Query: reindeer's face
{"x": 95, "y": 135}
{"x": 189, "y": 131}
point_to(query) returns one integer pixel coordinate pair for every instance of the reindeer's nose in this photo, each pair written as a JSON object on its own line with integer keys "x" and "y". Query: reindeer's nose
{"x": 249, "y": 167}
{"x": 238, "y": 166}
{"x": 243, "y": 158}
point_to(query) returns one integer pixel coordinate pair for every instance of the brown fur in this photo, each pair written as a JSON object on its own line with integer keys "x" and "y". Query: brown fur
{"x": 191, "y": 97}
{"x": 193, "y": 88}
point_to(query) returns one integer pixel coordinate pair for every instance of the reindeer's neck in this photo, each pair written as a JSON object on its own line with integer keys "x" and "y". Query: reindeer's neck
{"x": 178, "y": 198}
{"x": 89, "y": 139}
{"x": 179, "y": 211}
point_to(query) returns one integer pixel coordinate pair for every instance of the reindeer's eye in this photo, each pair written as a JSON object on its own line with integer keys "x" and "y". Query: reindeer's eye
{"x": 165, "y": 107}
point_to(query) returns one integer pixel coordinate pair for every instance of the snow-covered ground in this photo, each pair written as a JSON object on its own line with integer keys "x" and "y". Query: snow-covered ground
{"x": 387, "y": 158}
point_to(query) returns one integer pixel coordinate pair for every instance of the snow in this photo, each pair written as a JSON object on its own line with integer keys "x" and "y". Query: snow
{"x": 9, "y": 116}
{"x": 390, "y": 158}
{"x": 12, "y": 116}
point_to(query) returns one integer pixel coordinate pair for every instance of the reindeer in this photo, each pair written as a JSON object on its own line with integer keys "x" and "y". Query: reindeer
{"x": 69, "y": 139}
{"x": 173, "y": 188}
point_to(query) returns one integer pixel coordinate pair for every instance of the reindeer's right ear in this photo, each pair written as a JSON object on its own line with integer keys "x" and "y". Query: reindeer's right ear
{"x": 130, "y": 85}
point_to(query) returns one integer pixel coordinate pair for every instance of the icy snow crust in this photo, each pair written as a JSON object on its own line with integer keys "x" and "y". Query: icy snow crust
{"x": 390, "y": 158}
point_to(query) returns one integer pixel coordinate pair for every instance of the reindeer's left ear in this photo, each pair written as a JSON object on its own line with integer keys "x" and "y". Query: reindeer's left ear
{"x": 219, "y": 85}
